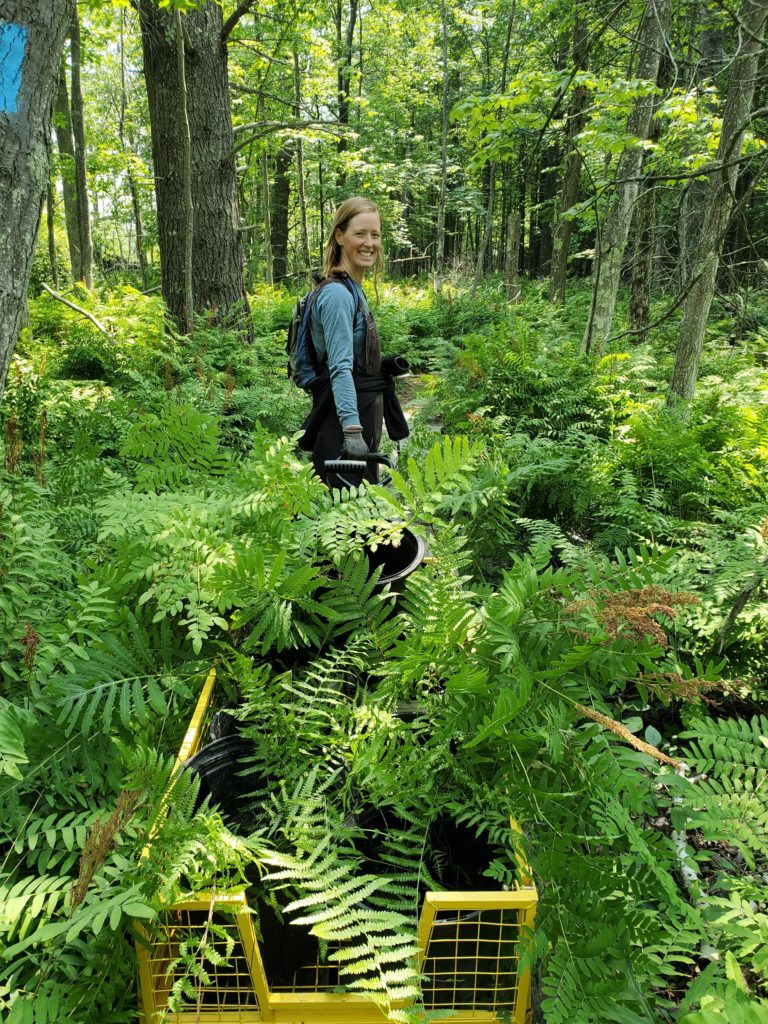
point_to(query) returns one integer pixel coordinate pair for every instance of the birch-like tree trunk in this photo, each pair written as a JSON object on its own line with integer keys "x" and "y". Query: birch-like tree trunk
{"x": 569, "y": 189}
{"x": 485, "y": 241}
{"x": 645, "y": 235}
{"x": 268, "y": 264}
{"x": 512, "y": 289}
{"x": 300, "y": 184}
{"x": 62, "y": 120}
{"x": 345, "y": 42}
{"x": 33, "y": 37}
{"x": 127, "y": 148}
{"x": 281, "y": 197}
{"x": 440, "y": 228}
{"x": 50, "y": 214}
{"x": 719, "y": 201}
{"x": 707, "y": 69}
{"x": 612, "y": 242}
{"x": 81, "y": 168}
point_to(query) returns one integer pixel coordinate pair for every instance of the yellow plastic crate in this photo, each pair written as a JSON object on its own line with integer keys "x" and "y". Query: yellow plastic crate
{"x": 469, "y": 944}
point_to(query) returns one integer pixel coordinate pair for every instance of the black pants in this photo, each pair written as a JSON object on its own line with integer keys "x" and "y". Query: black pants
{"x": 330, "y": 436}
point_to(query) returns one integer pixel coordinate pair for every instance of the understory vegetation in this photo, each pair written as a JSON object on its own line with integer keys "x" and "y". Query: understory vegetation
{"x": 583, "y": 650}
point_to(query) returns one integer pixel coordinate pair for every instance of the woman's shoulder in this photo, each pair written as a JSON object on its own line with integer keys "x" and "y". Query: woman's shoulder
{"x": 338, "y": 292}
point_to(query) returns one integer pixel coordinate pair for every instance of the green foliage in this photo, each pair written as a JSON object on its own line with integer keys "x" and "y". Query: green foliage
{"x": 174, "y": 448}
{"x": 552, "y": 630}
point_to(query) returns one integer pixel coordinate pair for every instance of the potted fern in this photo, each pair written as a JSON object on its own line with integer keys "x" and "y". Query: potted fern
{"x": 389, "y": 878}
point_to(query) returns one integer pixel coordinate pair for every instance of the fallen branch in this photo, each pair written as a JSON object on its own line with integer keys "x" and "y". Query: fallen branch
{"x": 77, "y": 309}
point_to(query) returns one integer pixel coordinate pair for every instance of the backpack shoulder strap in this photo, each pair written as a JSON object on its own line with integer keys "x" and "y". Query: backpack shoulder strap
{"x": 344, "y": 279}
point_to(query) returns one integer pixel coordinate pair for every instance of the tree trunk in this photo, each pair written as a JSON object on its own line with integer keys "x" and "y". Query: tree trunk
{"x": 49, "y": 217}
{"x": 127, "y": 154}
{"x": 612, "y": 241}
{"x": 440, "y": 229}
{"x": 345, "y": 73}
{"x": 62, "y": 120}
{"x": 522, "y": 208}
{"x": 268, "y": 261}
{"x": 487, "y": 230}
{"x": 281, "y": 196}
{"x": 81, "y": 171}
{"x": 547, "y": 191}
{"x": 722, "y": 182}
{"x": 306, "y": 257}
{"x": 513, "y": 290}
{"x": 569, "y": 189}
{"x": 32, "y": 38}
{"x": 217, "y": 260}
{"x": 642, "y": 265}
{"x": 188, "y": 224}
{"x": 711, "y": 50}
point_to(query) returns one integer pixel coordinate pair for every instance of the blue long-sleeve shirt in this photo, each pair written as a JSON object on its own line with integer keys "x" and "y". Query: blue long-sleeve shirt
{"x": 338, "y": 332}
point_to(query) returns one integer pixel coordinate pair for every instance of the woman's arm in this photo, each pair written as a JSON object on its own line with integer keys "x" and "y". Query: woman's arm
{"x": 336, "y": 309}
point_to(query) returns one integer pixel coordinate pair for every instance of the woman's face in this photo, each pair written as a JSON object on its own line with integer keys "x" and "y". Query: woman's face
{"x": 360, "y": 243}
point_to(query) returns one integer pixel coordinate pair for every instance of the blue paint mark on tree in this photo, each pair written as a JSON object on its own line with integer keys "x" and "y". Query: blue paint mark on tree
{"x": 13, "y": 40}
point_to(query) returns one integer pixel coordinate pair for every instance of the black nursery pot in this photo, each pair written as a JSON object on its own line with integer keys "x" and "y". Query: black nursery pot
{"x": 220, "y": 765}
{"x": 397, "y": 563}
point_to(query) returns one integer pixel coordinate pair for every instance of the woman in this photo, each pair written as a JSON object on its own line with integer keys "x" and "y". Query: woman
{"x": 351, "y": 395}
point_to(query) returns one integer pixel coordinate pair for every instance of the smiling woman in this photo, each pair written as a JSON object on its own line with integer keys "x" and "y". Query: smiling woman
{"x": 350, "y": 392}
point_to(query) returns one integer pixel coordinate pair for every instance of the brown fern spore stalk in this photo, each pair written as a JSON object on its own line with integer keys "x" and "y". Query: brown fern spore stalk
{"x": 30, "y": 642}
{"x": 13, "y": 444}
{"x": 99, "y": 842}
{"x": 621, "y": 730}
{"x": 670, "y": 686}
{"x": 633, "y": 611}
{"x": 38, "y": 455}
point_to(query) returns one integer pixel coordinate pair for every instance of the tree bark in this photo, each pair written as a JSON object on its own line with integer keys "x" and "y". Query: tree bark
{"x": 612, "y": 241}
{"x": 188, "y": 224}
{"x": 719, "y": 203}
{"x": 513, "y": 290}
{"x": 440, "y": 229}
{"x": 487, "y": 229}
{"x": 281, "y": 196}
{"x": 81, "y": 169}
{"x": 49, "y": 217}
{"x": 645, "y": 235}
{"x": 345, "y": 73}
{"x": 484, "y": 242}
{"x": 268, "y": 260}
{"x": 62, "y": 120}
{"x": 306, "y": 257}
{"x": 127, "y": 150}
{"x": 711, "y": 48}
{"x": 569, "y": 189}
{"x": 642, "y": 264}
{"x": 33, "y": 37}
{"x": 217, "y": 261}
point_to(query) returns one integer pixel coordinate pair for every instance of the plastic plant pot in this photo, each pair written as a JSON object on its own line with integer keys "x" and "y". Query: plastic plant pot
{"x": 397, "y": 563}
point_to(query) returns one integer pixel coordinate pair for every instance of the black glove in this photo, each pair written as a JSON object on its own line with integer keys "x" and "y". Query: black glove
{"x": 355, "y": 447}
{"x": 394, "y": 366}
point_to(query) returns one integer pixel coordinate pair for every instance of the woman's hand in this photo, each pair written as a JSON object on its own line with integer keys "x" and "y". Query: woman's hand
{"x": 355, "y": 447}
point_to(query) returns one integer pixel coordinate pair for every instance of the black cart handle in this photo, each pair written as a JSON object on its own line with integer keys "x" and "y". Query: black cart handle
{"x": 356, "y": 465}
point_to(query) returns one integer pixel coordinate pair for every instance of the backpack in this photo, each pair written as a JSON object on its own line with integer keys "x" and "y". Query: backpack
{"x": 303, "y": 366}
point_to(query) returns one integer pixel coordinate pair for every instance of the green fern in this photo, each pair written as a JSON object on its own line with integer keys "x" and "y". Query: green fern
{"x": 376, "y": 947}
{"x": 174, "y": 447}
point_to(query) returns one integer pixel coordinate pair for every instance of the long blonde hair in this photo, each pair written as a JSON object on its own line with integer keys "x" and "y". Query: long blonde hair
{"x": 341, "y": 218}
